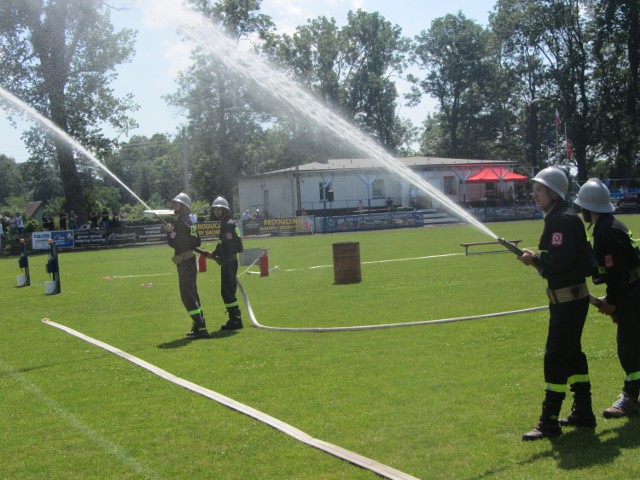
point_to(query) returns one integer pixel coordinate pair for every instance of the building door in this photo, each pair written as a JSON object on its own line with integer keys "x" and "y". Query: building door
{"x": 265, "y": 202}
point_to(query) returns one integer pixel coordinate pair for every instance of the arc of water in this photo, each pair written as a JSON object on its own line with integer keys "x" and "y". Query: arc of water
{"x": 203, "y": 33}
{"x": 46, "y": 123}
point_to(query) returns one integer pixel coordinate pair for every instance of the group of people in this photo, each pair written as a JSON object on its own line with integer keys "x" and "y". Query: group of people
{"x": 106, "y": 220}
{"x": 11, "y": 225}
{"x": 183, "y": 237}
{"x": 565, "y": 259}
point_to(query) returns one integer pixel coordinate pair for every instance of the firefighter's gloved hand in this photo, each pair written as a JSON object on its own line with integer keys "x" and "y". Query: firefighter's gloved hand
{"x": 168, "y": 227}
{"x": 607, "y": 309}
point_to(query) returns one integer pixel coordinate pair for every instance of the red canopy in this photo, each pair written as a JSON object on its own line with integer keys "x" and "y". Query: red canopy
{"x": 495, "y": 175}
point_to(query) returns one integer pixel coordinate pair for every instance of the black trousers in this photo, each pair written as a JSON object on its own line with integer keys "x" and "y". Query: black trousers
{"x": 229, "y": 281}
{"x": 628, "y": 338}
{"x": 564, "y": 360}
{"x": 187, "y": 275}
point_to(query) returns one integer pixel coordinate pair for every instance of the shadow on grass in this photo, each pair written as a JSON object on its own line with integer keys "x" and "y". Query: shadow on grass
{"x": 584, "y": 448}
{"x": 183, "y": 342}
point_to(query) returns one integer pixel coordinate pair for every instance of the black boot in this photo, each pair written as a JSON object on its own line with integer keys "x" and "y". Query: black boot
{"x": 548, "y": 426}
{"x": 199, "y": 328}
{"x": 235, "y": 320}
{"x": 581, "y": 412}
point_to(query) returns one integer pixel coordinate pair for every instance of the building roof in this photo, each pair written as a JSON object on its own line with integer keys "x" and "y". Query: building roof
{"x": 32, "y": 207}
{"x": 344, "y": 164}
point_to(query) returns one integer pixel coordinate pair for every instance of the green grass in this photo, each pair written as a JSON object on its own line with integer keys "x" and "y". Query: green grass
{"x": 434, "y": 401}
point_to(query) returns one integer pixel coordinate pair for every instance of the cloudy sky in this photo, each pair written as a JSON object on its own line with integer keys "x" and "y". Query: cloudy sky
{"x": 160, "y": 53}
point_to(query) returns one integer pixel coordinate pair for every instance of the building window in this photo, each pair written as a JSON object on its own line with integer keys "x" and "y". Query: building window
{"x": 377, "y": 189}
{"x": 324, "y": 191}
{"x": 450, "y": 184}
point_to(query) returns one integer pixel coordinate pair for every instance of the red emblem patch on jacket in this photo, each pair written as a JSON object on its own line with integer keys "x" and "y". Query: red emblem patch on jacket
{"x": 608, "y": 261}
{"x": 556, "y": 239}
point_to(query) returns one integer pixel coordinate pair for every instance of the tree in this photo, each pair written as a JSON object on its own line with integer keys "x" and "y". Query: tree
{"x": 11, "y": 184}
{"x": 59, "y": 56}
{"x": 616, "y": 31}
{"x": 456, "y": 54}
{"x": 351, "y": 69}
{"x": 223, "y": 122}
{"x": 518, "y": 28}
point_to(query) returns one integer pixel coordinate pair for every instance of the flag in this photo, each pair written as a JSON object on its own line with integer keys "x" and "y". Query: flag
{"x": 558, "y": 121}
{"x": 549, "y": 137}
{"x": 569, "y": 149}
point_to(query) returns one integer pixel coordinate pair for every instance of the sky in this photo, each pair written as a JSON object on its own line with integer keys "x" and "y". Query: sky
{"x": 160, "y": 54}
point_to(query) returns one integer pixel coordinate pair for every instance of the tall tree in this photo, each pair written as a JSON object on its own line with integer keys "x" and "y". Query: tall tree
{"x": 352, "y": 69}
{"x": 518, "y": 29}
{"x": 456, "y": 54}
{"x": 566, "y": 47}
{"x": 11, "y": 184}
{"x": 59, "y": 56}
{"x": 222, "y": 120}
{"x": 616, "y": 26}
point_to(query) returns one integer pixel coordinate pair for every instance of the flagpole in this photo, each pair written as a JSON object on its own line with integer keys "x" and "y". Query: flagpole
{"x": 557, "y": 137}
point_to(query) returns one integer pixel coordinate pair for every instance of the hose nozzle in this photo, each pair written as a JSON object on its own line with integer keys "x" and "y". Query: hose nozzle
{"x": 510, "y": 246}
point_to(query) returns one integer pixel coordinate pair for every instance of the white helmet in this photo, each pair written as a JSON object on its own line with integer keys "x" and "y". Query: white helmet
{"x": 184, "y": 199}
{"x": 555, "y": 179}
{"x": 220, "y": 203}
{"x": 594, "y": 196}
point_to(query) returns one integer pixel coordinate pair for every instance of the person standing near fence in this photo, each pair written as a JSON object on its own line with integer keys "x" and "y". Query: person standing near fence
{"x": 183, "y": 238}
{"x": 562, "y": 261}
{"x": 226, "y": 255}
{"x": 619, "y": 259}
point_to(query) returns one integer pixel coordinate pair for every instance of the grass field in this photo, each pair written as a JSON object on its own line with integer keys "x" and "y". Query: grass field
{"x": 433, "y": 401}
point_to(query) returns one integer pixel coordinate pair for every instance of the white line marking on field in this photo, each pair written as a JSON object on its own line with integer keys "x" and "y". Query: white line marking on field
{"x": 107, "y": 445}
{"x": 111, "y": 277}
{"x": 352, "y": 457}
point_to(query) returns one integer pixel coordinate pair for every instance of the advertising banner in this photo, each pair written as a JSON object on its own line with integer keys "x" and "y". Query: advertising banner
{"x": 63, "y": 238}
{"x": 373, "y": 221}
{"x": 89, "y": 238}
{"x": 40, "y": 240}
{"x": 208, "y": 230}
{"x": 277, "y": 226}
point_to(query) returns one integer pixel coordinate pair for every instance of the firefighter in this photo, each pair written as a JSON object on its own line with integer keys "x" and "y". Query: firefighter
{"x": 225, "y": 254}
{"x": 560, "y": 261}
{"x": 184, "y": 238}
{"x": 619, "y": 261}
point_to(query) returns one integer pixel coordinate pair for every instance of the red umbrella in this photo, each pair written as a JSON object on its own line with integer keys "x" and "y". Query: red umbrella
{"x": 495, "y": 175}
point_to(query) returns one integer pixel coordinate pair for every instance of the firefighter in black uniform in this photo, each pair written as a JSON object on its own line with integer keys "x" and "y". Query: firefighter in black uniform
{"x": 225, "y": 254}
{"x": 184, "y": 238}
{"x": 561, "y": 261}
{"x": 619, "y": 261}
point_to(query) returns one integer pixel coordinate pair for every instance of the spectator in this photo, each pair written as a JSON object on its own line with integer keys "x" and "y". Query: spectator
{"x": 123, "y": 218}
{"x": 63, "y": 219}
{"x": 13, "y": 229}
{"x": 73, "y": 220}
{"x": 389, "y": 204}
{"x": 93, "y": 217}
{"x": 105, "y": 219}
{"x": 19, "y": 224}
{"x": 115, "y": 219}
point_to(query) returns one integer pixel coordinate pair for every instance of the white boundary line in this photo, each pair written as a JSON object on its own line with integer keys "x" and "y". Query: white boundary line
{"x": 342, "y": 453}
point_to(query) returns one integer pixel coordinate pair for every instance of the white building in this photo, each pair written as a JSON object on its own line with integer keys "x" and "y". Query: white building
{"x": 342, "y": 186}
